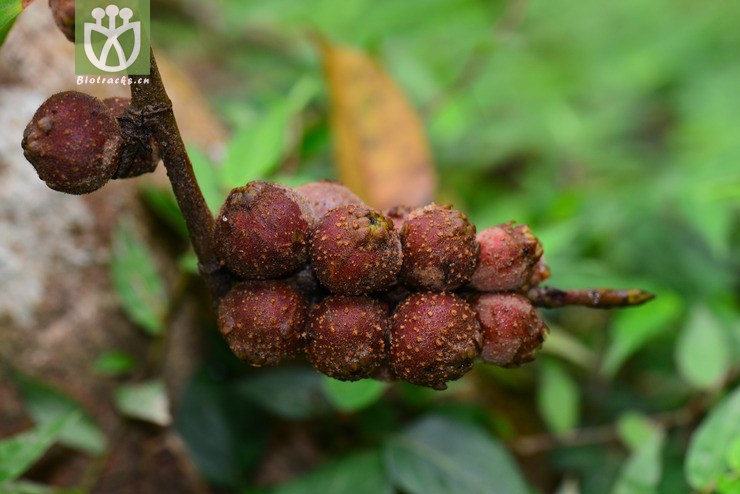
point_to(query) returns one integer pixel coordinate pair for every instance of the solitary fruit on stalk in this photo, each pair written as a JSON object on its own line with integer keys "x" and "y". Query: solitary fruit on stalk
{"x": 439, "y": 249}
{"x": 355, "y": 250}
{"x": 511, "y": 327}
{"x": 64, "y": 16}
{"x": 74, "y": 143}
{"x": 507, "y": 260}
{"x": 262, "y": 231}
{"x": 435, "y": 338}
{"x": 325, "y": 195}
{"x": 346, "y": 337}
{"x": 262, "y": 321}
{"x": 139, "y": 156}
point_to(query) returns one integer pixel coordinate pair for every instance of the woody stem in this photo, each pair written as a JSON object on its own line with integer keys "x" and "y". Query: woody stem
{"x": 151, "y": 107}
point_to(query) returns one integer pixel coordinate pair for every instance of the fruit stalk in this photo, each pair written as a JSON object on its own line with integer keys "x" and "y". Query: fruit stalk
{"x": 151, "y": 108}
{"x": 599, "y": 298}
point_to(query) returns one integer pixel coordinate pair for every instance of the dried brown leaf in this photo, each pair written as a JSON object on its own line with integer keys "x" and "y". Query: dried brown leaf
{"x": 380, "y": 148}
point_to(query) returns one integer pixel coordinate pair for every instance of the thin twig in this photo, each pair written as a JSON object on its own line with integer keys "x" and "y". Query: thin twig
{"x": 538, "y": 443}
{"x": 597, "y": 298}
{"x": 151, "y": 108}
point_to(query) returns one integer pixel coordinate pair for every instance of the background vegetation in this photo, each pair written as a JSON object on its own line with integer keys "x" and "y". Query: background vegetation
{"x": 613, "y": 129}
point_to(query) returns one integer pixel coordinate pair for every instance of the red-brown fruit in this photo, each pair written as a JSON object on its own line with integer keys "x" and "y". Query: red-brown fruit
{"x": 355, "y": 250}
{"x": 262, "y": 231}
{"x": 398, "y": 215}
{"x": 305, "y": 282}
{"x": 346, "y": 337}
{"x": 540, "y": 273}
{"x": 439, "y": 249}
{"x": 511, "y": 327}
{"x": 139, "y": 155}
{"x": 507, "y": 259}
{"x": 263, "y": 321}
{"x": 434, "y": 338}
{"x": 74, "y": 143}
{"x": 64, "y": 16}
{"x": 325, "y": 195}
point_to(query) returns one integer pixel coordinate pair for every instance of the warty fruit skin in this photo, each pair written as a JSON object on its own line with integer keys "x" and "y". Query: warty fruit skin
{"x": 263, "y": 321}
{"x": 355, "y": 250}
{"x": 439, "y": 249}
{"x": 74, "y": 142}
{"x": 434, "y": 338}
{"x": 511, "y": 327}
{"x": 508, "y": 258}
{"x": 346, "y": 336}
{"x": 325, "y": 195}
{"x": 262, "y": 231}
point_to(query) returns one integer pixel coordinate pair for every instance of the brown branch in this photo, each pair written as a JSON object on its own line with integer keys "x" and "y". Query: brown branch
{"x": 597, "y": 298}
{"x": 151, "y": 109}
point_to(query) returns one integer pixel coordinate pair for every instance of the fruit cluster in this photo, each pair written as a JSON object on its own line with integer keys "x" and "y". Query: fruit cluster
{"x": 407, "y": 294}
{"x": 77, "y": 143}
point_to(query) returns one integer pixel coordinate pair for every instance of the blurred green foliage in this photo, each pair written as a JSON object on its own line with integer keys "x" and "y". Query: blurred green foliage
{"x": 613, "y": 129}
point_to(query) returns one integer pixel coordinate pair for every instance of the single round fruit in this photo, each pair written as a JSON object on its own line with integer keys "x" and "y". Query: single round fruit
{"x": 262, "y": 231}
{"x": 263, "y": 321}
{"x": 507, "y": 259}
{"x": 511, "y": 327}
{"x": 434, "y": 338}
{"x": 346, "y": 337}
{"x": 64, "y": 16}
{"x": 355, "y": 250}
{"x": 140, "y": 155}
{"x": 325, "y": 195}
{"x": 74, "y": 142}
{"x": 439, "y": 249}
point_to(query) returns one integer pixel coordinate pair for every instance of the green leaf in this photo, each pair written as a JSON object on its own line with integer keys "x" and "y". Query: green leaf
{"x": 9, "y": 10}
{"x": 635, "y": 327}
{"x": 21, "y": 451}
{"x": 706, "y": 456}
{"x": 562, "y": 344}
{"x": 634, "y": 428}
{"x": 208, "y": 179}
{"x": 162, "y": 202}
{"x": 188, "y": 262}
{"x": 258, "y": 147}
{"x": 138, "y": 284}
{"x": 25, "y": 487}
{"x": 361, "y": 473}
{"x": 558, "y": 397}
{"x": 352, "y": 396}
{"x": 146, "y": 401}
{"x": 641, "y": 473}
{"x": 46, "y": 405}
{"x": 733, "y": 455}
{"x": 292, "y": 393}
{"x": 439, "y": 456}
{"x": 728, "y": 484}
{"x": 703, "y": 354}
{"x": 114, "y": 363}
{"x": 225, "y": 436}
